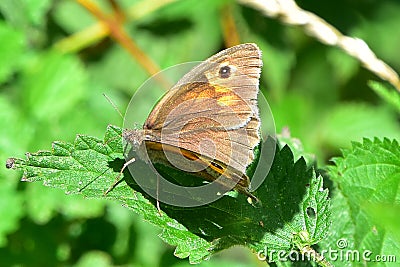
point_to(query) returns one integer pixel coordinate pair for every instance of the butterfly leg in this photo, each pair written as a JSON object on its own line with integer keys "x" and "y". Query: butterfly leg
{"x": 118, "y": 180}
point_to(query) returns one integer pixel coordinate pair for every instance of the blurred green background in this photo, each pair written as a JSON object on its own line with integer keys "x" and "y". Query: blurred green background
{"x": 54, "y": 68}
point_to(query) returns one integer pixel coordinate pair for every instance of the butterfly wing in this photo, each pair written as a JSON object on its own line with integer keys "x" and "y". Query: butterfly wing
{"x": 212, "y": 110}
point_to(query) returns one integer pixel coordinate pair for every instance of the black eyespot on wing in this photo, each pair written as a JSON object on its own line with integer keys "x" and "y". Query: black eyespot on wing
{"x": 225, "y": 72}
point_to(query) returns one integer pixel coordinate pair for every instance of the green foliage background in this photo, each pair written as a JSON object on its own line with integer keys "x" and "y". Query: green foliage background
{"x": 318, "y": 92}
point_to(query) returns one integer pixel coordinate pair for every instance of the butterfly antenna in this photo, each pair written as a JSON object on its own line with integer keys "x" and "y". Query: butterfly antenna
{"x": 113, "y": 104}
{"x": 116, "y": 109}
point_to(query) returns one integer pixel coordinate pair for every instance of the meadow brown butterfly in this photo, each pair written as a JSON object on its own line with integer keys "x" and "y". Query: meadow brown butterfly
{"x": 208, "y": 122}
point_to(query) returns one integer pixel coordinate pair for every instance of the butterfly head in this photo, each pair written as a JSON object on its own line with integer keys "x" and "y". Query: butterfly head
{"x": 135, "y": 137}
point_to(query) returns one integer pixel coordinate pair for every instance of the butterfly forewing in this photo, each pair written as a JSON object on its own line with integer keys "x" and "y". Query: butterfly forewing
{"x": 208, "y": 123}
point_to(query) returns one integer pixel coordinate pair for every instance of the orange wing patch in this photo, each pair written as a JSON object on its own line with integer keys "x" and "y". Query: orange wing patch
{"x": 221, "y": 89}
{"x": 227, "y": 100}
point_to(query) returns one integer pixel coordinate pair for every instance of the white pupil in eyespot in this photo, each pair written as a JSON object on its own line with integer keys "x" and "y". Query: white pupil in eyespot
{"x": 225, "y": 72}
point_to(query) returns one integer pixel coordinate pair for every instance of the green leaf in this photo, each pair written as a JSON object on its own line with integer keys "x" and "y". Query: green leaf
{"x": 52, "y": 84}
{"x": 83, "y": 168}
{"x": 41, "y": 205}
{"x": 36, "y": 9}
{"x": 94, "y": 258}
{"x": 376, "y": 32}
{"x": 293, "y": 211}
{"x": 22, "y": 13}
{"x": 354, "y": 121}
{"x": 295, "y": 146}
{"x": 11, "y": 201}
{"x": 344, "y": 66}
{"x": 369, "y": 171}
{"x": 80, "y": 20}
{"x": 295, "y": 205}
{"x": 21, "y": 131}
{"x": 10, "y": 204}
{"x": 368, "y": 176}
{"x": 390, "y": 95}
{"x": 11, "y": 46}
{"x": 181, "y": 24}
{"x": 300, "y": 108}
{"x": 385, "y": 215}
{"x": 342, "y": 230}
{"x": 279, "y": 62}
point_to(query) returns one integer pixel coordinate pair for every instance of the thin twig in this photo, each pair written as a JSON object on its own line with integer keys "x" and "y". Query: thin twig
{"x": 289, "y": 12}
{"x": 229, "y": 29}
{"x": 118, "y": 33}
{"x": 118, "y": 13}
{"x": 96, "y": 32}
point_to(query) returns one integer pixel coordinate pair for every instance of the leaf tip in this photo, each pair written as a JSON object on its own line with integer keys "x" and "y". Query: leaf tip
{"x": 10, "y": 163}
